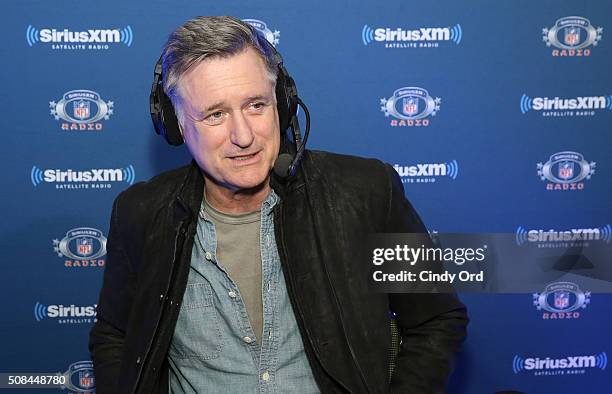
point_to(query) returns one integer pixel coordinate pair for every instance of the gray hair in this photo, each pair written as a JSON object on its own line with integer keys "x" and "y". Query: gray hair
{"x": 206, "y": 37}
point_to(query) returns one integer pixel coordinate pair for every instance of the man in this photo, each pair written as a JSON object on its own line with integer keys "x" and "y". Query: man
{"x": 224, "y": 277}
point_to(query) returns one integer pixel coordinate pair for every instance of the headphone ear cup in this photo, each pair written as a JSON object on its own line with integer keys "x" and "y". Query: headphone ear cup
{"x": 162, "y": 111}
{"x": 286, "y": 98}
{"x": 171, "y": 129}
{"x": 282, "y": 102}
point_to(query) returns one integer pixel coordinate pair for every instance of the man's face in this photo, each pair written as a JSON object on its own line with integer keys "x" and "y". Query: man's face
{"x": 230, "y": 122}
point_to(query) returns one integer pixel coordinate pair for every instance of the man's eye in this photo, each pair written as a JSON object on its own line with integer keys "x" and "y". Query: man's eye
{"x": 215, "y": 117}
{"x": 258, "y": 105}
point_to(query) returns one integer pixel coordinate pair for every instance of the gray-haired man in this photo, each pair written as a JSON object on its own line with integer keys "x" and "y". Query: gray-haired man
{"x": 223, "y": 277}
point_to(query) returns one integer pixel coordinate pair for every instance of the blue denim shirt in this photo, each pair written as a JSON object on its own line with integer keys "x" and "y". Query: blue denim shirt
{"x": 214, "y": 349}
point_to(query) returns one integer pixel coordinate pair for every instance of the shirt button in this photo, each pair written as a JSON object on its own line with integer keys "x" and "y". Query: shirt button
{"x": 208, "y": 256}
{"x": 232, "y": 294}
{"x": 247, "y": 339}
{"x": 265, "y": 376}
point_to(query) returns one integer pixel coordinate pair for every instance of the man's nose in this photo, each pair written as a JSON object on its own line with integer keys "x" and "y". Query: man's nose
{"x": 241, "y": 133}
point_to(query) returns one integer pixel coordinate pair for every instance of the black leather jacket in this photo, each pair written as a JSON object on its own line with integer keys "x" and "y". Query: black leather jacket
{"x": 324, "y": 215}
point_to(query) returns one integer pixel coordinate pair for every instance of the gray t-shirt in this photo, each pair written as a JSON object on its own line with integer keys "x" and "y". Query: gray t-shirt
{"x": 238, "y": 251}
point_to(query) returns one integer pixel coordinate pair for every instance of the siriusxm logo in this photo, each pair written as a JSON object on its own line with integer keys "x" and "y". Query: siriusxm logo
{"x": 410, "y": 106}
{"x": 572, "y": 36}
{"x": 87, "y": 39}
{"x": 577, "y": 234}
{"x": 97, "y": 178}
{"x": 82, "y": 247}
{"x": 566, "y": 171}
{"x": 81, "y": 110}
{"x": 424, "y": 37}
{"x": 427, "y": 173}
{"x": 561, "y": 300}
{"x": 42, "y": 311}
{"x": 578, "y": 106}
{"x": 273, "y": 37}
{"x": 537, "y": 364}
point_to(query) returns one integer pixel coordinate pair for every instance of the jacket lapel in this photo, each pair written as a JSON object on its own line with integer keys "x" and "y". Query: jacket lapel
{"x": 305, "y": 259}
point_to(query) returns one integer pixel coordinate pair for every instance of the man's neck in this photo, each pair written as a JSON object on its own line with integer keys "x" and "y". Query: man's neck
{"x": 236, "y": 201}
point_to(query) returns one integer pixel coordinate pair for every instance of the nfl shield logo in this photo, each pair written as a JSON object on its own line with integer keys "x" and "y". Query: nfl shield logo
{"x": 572, "y": 35}
{"x": 81, "y": 109}
{"x": 561, "y": 299}
{"x": 410, "y": 105}
{"x": 566, "y": 170}
{"x": 86, "y": 380}
{"x": 84, "y": 246}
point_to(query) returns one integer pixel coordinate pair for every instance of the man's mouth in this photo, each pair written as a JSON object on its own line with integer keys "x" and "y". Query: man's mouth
{"x": 244, "y": 157}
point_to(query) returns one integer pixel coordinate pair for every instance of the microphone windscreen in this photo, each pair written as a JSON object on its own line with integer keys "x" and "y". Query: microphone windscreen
{"x": 282, "y": 164}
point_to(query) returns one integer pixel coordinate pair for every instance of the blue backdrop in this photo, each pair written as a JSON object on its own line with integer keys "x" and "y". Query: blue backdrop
{"x": 496, "y": 114}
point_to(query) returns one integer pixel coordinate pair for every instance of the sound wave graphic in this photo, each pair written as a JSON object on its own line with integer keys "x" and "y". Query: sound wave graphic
{"x": 367, "y": 34}
{"x": 129, "y": 174}
{"x": 601, "y": 360}
{"x": 452, "y": 169}
{"x": 127, "y": 35}
{"x": 32, "y": 35}
{"x": 526, "y": 103}
{"x": 36, "y": 176}
{"x": 40, "y": 311}
{"x": 609, "y": 102}
{"x": 521, "y": 235}
{"x": 517, "y": 364}
{"x": 456, "y": 33}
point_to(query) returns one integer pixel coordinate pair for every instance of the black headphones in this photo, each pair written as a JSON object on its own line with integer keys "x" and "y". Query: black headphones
{"x": 287, "y": 101}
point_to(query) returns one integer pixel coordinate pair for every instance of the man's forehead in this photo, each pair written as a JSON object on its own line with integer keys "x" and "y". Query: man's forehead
{"x": 224, "y": 78}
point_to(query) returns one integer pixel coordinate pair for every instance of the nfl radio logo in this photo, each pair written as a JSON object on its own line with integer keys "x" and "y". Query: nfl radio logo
{"x": 85, "y": 246}
{"x": 572, "y": 36}
{"x": 81, "y": 109}
{"x": 561, "y": 299}
{"x": 410, "y": 105}
{"x": 86, "y": 380}
{"x": 566, "y": 170}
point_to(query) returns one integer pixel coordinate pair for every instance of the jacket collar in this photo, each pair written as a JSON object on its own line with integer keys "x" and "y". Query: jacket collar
{"x": 190, "y": 192}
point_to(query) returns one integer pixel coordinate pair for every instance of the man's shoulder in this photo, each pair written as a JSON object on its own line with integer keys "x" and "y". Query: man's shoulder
{"x": 341, "y": 169}
{"x": 155, "y": 192}
{"x": 356, "y": 188}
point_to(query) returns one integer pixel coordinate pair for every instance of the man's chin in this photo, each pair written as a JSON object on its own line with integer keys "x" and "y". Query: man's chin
{"x": 247, "y": 179}
{"x": 254, "y": 184}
